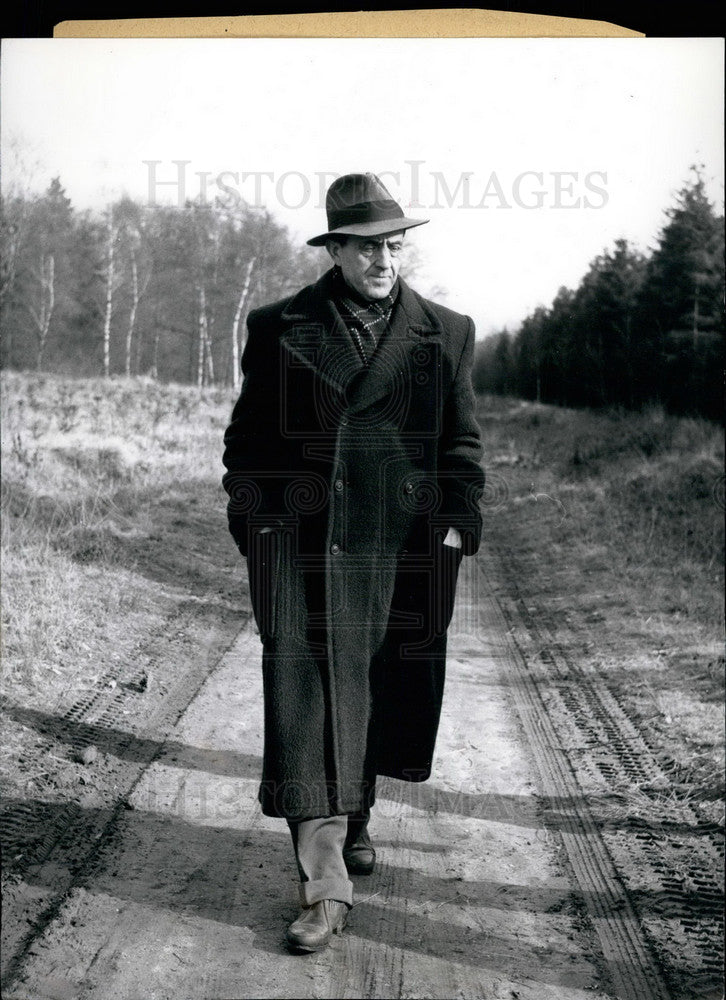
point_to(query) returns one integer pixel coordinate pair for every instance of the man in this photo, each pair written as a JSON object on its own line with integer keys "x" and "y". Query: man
{"x": 354, "y": 479}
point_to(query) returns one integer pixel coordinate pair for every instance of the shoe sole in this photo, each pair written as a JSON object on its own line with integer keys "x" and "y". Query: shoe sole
{"x": 301, "y": 949}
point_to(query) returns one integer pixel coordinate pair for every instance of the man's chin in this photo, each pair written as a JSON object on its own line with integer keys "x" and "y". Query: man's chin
{"x": 378, "y": 289}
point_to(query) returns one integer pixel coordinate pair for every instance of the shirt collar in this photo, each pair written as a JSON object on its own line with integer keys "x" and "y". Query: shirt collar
{"x": 342, "y": 290}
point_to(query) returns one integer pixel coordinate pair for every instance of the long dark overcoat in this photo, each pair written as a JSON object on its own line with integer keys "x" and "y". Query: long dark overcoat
{"x": 360, "y": 472}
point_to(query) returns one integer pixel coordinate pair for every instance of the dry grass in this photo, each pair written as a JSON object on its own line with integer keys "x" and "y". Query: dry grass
{"x": 86, "y": 464}
{"x": 114, "y": 533}
{"x": 610, "y": 529}
{"x": 616, "y": 523}
{"x": 113, "y": 510}
{"x": 642, "y": 491}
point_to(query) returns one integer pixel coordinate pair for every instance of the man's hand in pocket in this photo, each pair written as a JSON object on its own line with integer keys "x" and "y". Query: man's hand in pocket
{"x": 453, "y": 538}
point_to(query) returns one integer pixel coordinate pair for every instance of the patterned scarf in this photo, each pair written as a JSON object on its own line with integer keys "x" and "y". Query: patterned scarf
{"x": 366, "y": 321}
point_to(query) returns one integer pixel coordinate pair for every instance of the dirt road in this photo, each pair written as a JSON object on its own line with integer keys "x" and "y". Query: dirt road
{"x": 493, "y": 880}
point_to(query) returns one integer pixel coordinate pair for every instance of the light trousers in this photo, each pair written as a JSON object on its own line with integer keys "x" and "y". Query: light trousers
{"x": 318, "y": 847}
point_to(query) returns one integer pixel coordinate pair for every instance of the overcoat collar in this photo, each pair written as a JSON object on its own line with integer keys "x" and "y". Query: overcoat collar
{"x": 318, "y": 338}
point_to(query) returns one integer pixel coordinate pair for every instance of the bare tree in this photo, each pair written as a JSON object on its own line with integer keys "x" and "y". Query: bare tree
{"x": 13, "y": 220}
{"x": 109, "y": 277}
{"x": 208, "y": 350}
{"x": 204, "y": 347}
{"x": 137, "y": 290}
{"x": 132, "y": 311}
{"x": 155, "y": 353}
{"x": 239, "y": 312}
{"x": 13, "y": 216}
{"x": 18, "y": 171}
{"x": 42, "y": 316}
{"x": 205, "y": 235}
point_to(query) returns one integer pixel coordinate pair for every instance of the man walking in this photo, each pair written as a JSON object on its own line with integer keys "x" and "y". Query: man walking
{"x": 354, "y": 477}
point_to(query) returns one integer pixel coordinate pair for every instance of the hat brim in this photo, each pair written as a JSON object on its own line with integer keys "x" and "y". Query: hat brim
{"x": 368, "y": 229}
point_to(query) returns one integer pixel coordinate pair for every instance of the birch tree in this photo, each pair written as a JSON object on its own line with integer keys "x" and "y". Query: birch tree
{"x": 205, "y": 234}
{"x": 138, "y": 289}
{"x": 239, "y": 312}
{"x": 50, "y": 232}
{"x": 109, "y": 279}
{"x": 42, "y": 311}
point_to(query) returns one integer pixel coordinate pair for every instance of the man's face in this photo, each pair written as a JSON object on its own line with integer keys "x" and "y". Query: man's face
{"x": 370, "y": 264}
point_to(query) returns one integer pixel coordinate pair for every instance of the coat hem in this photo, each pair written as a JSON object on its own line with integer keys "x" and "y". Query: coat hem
{"x": 354, "y": 807}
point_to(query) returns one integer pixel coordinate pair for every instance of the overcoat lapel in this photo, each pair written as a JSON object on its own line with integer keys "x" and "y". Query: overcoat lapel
{"x": 410, "y": 325}
{"x": 318, "y": 338}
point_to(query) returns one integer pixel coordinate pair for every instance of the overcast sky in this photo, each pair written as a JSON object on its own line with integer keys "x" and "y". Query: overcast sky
{"x": 529, "y": 156}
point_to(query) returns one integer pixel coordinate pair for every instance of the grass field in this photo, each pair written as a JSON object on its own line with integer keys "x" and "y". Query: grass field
{"x": 112, "y": 511}
{"x": 114, "y": 517}
{"x": 644, "y": 490}
{"x": 613, "y": 523}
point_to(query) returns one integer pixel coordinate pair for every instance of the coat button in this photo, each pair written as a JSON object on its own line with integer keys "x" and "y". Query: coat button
{"x": 408, "y": 487}
{"x": 339, "y": 485}
{"x": 335, "y": 548}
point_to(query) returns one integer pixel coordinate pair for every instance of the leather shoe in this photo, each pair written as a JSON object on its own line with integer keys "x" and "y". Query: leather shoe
{"x": 316, "y": 925}
{"x": 359, "y": 857}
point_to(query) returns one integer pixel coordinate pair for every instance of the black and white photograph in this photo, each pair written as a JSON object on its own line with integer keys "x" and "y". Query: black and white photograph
{"x": 362, "y": 518}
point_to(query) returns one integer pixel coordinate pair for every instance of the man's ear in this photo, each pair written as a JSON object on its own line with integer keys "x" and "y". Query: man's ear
{"x": 334, "y": 247}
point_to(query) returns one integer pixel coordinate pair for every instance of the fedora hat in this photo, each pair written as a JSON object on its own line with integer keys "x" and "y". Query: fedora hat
{"x": 360, "y": 205}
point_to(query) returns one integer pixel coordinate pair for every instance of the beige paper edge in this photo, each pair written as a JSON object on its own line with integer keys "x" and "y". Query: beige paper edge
{"x": 459, "y": 23}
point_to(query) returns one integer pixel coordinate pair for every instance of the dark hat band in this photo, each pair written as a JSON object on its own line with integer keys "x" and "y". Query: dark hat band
{"x": 367, "y": 211}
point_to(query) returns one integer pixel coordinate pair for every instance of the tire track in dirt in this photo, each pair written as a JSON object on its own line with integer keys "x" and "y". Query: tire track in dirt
{"x": 190, "y": 891}
{"x": 666, "y": 857}
{"x": 632, "y": 971}
{"x": 71, "y": 836}
{"x": 484, "y": 916}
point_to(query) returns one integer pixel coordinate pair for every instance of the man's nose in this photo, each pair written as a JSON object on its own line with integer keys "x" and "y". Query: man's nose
{"x": 383, "y": 256}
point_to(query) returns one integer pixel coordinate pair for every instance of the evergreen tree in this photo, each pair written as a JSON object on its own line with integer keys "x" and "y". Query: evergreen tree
{"x": 615, "y": 361}
{"x": 682, "y": 306}
{"x": 637, "y": 329}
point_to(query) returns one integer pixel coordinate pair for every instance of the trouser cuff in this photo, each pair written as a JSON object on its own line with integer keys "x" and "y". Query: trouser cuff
{"x": 326, "y": 888}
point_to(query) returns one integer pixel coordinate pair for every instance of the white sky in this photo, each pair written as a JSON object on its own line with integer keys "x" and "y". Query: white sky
{"x": 639, "y": 111}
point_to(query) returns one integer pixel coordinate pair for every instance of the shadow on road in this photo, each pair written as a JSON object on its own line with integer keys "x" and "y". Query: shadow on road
{"x": 554, "y": 812}
{"x": 245, "y": 878}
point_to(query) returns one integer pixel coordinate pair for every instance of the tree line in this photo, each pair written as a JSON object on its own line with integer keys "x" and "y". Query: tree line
{"x": 154, "y": 290}
{"x": 165, "y": 291}
{"x": 639, "y": 329}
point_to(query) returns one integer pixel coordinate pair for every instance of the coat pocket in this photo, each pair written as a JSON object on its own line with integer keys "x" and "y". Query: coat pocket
{"x": 263, "y": 569}
{"x": 447, "y": 560}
